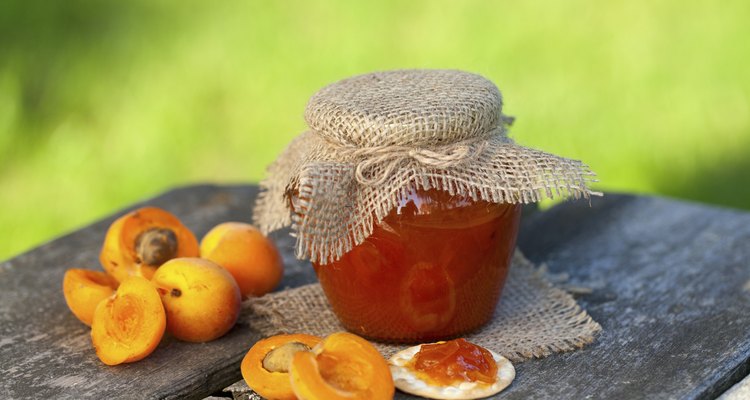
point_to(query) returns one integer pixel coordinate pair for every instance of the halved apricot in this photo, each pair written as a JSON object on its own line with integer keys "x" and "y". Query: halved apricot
{"x": 342, "y": 366}
{"x": 202, "y": 299}
{"x": 428, "y": 297}
{"x": 140, "y": 241}
{"x": 84, "y": 289}
{"x": 130, "y": 324}
{"x": 265, "y": 367}
{"x": 247, "y": 254}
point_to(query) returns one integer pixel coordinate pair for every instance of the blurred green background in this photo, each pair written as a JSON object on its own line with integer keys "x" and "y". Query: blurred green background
{"x": 106, "y": 103}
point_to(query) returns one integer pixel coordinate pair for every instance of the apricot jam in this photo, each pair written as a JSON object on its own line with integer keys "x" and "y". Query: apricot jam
{"x": 432, "y": 269}
{"x": 446, "y": 363}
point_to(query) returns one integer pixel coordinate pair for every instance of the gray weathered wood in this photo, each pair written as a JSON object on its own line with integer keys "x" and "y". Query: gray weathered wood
{"x": 670, "y": 285}
{"x": 670, "y": 288}
{"x": 46, "y": 352}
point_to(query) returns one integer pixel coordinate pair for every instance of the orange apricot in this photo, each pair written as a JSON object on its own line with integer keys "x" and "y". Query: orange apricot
{"x": 140, "y": 241}
{"x": 130, "y": 324}
{"x": 342, "y": 366}
{"x": 202, "y": 299}
{"x": 247, "y": 254}
{"x": 265, "y": 367}
{"x": 84, "y": 289}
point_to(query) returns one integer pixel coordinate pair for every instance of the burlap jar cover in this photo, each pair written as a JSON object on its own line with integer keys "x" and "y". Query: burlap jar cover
{"x": 374, "y": 138}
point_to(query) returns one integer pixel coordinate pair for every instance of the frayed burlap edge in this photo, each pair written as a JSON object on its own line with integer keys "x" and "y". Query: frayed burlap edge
{"x": 534, "y": 319}
{"x": 342, "y": 192}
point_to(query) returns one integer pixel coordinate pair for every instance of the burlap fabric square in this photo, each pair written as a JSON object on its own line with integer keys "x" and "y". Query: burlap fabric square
{"x": 533, "y": 319}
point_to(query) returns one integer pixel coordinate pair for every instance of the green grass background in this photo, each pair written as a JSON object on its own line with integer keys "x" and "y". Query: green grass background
{"x": 106, "y": 103}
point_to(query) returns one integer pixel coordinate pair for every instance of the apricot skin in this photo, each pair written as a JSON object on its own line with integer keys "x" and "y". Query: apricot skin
{"x": 120, "y": 252}
{"x": 84, "y": 289}
{"x": 272, "y": 385}
{"x": 129, "y": 325}
{"x": 201, "y": 299}
{"x": 247, "y": 254}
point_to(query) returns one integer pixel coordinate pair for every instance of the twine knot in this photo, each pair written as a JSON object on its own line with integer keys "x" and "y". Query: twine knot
{"x": 378, "y": 163}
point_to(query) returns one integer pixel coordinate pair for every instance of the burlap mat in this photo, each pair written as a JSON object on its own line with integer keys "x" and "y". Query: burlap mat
{"x": 534, "y": 318}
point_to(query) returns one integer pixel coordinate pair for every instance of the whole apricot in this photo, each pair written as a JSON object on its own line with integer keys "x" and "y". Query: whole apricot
{"x": 130, "y": 324}
{"x": 247, "y": 254}
{"x": 84, "y": 289}
{"x": 140, "y": 241}
{"x": 202, "y": 299}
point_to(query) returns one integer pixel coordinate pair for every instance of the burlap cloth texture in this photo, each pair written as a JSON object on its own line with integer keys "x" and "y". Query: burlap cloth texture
{"x": 533, "y": 319}
{"x": 374, "y": 138}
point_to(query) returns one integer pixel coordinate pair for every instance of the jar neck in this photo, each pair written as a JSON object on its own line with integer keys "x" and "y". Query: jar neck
{"x": 440, "y": 209}
{"x": 425, "y": 202}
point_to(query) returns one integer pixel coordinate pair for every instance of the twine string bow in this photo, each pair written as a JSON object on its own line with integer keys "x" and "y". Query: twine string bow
{"x": 374, "y": 165}
{"x": 378, "y": 163}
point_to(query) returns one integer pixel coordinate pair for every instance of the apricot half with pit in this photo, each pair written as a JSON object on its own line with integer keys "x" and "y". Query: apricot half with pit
{"x": 202, "y": 299}
{"x": 142, "y": 240}
{"x": 265, "y": 367}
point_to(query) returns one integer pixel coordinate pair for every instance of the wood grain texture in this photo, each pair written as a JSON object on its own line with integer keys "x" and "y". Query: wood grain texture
{"x": 670, "y": 289}
{"x": 47, "y": 352}
{"x": 669, "y": 282}
{"x": 670, "y": 285}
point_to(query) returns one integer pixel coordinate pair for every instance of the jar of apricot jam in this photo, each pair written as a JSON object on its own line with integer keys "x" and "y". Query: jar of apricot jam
{"x": 432, "y": 269}
{"x": 404, "y": 192}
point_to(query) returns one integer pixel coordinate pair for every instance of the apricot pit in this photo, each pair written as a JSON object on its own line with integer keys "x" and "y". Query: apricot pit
{"x": 156, "y": 246}
{"x": 278, "y": 359}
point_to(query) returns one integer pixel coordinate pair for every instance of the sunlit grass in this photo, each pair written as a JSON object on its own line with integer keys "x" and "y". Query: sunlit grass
{"x": 101, "y": 107}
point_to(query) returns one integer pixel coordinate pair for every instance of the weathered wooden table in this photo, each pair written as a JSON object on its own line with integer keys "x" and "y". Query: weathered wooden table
{"x": 670, "y": 285}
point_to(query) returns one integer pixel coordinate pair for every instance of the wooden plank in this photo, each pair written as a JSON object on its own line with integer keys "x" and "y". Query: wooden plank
{"x": 669, "y": 282}
{"x": 671, "y": 289}
{"x": 669, "y": 279}
{"x": 46, "y": 352}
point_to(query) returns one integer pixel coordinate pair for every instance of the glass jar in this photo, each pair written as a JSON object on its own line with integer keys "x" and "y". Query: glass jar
{"x": 434, "y": 268}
